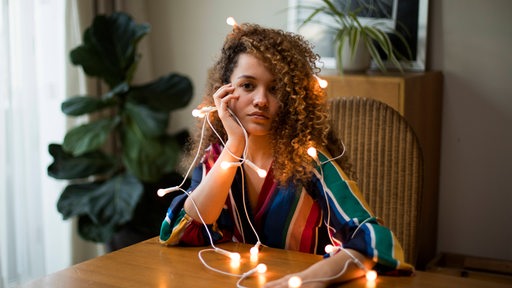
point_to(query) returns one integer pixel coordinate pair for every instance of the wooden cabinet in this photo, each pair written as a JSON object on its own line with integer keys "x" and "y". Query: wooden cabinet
{"x": 418, "y": 97}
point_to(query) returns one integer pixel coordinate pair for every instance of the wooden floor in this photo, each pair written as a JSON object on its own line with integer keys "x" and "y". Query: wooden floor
{"x": 457, "y": 265}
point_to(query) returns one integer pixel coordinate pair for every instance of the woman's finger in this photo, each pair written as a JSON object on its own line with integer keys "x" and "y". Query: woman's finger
{"x": 222, "y": 92}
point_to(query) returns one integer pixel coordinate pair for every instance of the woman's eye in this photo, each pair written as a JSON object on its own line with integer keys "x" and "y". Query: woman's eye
{"x": 273, "y": 90}
{"x": 247, "y": 86}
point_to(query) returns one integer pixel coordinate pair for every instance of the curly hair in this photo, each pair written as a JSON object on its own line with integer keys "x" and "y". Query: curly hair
{"x": 302, "y": 120}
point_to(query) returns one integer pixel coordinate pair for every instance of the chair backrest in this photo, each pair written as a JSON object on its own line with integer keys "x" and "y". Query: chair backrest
{"x": 387, "y": 159}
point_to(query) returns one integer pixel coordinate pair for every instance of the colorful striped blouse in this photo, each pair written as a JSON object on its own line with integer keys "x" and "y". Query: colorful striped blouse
{"x": 303, "y": 218}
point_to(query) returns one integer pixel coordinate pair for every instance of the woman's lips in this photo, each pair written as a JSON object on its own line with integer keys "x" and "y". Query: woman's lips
{"x": 259, "y": 115}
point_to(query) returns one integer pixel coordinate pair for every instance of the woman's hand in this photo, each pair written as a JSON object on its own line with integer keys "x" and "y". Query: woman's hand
{"x": 222, "y": 98}
{"x": 210, "y": 195}
{"x": 335, "y": 269}
{"x": 283, "y": 282}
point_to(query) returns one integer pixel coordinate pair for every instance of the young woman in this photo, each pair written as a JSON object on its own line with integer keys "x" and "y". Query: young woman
{"x": 269, "y": 110}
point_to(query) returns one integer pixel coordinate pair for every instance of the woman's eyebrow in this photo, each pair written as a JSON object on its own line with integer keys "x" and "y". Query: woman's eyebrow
{"x": 245, "y": 76}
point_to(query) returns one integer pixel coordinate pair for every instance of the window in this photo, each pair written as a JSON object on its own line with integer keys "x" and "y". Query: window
{"x": 34, "y": 240}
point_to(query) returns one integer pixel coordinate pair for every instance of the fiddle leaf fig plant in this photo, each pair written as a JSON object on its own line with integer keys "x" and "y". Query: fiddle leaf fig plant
{"x": 125, "y": 144}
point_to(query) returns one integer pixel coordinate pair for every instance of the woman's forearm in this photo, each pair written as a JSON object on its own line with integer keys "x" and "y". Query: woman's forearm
{"x": 210, "y": 195}
{"x": 338, "y": 268}
{"x": 333, "y": 266}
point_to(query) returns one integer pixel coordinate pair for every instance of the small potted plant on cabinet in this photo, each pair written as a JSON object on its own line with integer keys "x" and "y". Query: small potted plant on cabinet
{"x": 354, "y": 39}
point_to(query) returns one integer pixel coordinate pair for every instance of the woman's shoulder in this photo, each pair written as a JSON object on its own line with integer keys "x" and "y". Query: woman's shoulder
{"x": 329, "y": 163}
{"x": 211, "y": 154}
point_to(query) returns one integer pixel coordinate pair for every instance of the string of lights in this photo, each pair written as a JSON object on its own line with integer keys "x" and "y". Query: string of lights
{"x": 235, "y": 257}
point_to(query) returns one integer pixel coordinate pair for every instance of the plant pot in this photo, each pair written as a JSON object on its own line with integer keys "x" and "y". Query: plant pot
{"x": 148, "y": 215}
{"x": 359, "y": 62}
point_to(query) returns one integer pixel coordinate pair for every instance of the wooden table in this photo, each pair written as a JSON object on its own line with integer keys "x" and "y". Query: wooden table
{"x": 149, "y": 264}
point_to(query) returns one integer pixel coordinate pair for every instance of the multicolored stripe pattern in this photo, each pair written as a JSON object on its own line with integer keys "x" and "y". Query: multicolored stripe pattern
{"x": 302, "y": 218}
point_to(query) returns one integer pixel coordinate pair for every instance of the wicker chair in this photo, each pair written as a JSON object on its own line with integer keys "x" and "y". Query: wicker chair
{"x": 387, "y": 160}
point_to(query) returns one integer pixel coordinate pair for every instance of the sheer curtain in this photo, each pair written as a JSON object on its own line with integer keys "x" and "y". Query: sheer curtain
{"x": 35, "y": 77}
{"x": 34, "y": 240}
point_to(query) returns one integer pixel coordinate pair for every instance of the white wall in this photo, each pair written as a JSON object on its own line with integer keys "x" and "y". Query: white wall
{"x": 187, "y": 36}
{"x": 469, "y": 42}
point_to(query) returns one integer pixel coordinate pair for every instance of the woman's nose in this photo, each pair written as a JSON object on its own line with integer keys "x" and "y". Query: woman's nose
{"x": 260, "y": 98}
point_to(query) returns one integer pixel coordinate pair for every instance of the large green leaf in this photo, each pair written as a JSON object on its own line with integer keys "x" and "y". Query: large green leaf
{"x": 149, "y": 158}
{"x": 109, "y": 48}
{"x": 80, "y": 105}
{"x": 111, "y": 202}
{"x": 172, "y": 148}
{"x": 88, "y": 137}
{"x": 75, "y": 199}
{"x": 150, "y": 123}
{"x": 167, "y": 93}
{"x": 67, "y": 166}
{"x": 96, "y": 232}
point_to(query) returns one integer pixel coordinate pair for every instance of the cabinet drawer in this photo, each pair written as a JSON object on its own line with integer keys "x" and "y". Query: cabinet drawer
{"x": 385, "y": 91}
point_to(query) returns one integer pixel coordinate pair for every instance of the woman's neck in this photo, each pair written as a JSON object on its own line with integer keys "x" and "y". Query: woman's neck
{"x": 260, "y": 151}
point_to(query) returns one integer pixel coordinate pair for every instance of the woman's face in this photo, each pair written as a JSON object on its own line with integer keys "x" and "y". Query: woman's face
{"x": 257, "y": 105}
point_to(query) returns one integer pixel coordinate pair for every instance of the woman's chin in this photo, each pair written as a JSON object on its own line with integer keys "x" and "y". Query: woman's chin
{"x": 258, "y": 132}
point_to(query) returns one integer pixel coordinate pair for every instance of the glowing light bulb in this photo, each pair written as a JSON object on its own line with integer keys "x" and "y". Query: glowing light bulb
{"x": 234, "y": 264}
{"x": 371, "y": 275}
{"x": 261, "y": 268}
{"x": 234, "y": 256}
{"x": 262, "y": 173}
{"x": 255, "y": 249}
{"x": 162, "y": 192}
{"x": 200, "y": 113}
{"x": 329, "y": 248}
{"x": 231, "y": 21}
{"x": 294, "y": 282}
{"x": 323, "y": 83}
{"x": 226, "y": 164}
{"x": 312, "y": 152}
{"x": 197, "y": 113}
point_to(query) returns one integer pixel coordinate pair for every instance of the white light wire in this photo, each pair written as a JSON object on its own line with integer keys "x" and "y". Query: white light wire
{"x": 212, "y": 268}
{"x": 339, "y": 156}
{"x": 324, "y": 186}
{"x": 193, "y": 161}
{"x": 243, "y": 159}
{"x": 232, "y": 154}
{"x": 197, "y": 208}
{"x": 245, "y": 276}
{"x": 334, "y": 241}
{"x": 245, "y": 209}
{"x": 244, "y": 153}
{"x": 215, "y": 249}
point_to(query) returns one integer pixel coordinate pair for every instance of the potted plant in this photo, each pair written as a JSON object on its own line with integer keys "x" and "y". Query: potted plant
{"x": 352, "y": 38}
{"x": 116, "y": 161}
